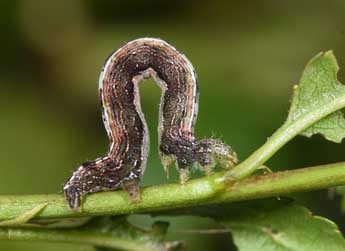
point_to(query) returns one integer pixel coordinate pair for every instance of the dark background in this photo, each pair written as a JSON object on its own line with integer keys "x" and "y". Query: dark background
{"x": 247, "y": 54}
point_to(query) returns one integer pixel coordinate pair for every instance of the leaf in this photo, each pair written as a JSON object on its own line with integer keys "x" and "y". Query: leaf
{"x": 317, "y": 87}
{"x": 120, "y": 228}
{"x": 283, "y": 227}
{"x": 272, "y": 225}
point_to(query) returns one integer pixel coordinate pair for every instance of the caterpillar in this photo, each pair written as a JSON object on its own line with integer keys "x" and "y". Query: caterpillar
{"x": 125, "y": 162}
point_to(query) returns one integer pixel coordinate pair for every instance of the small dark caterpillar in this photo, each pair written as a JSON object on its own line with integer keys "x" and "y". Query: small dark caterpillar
{"x": 125, "y": 162}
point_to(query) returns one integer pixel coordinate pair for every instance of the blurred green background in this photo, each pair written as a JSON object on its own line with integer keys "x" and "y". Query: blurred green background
{"x": 247, "y": 55}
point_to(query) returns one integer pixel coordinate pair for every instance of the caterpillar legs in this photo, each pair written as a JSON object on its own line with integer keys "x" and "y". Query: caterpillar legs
{"x": 202, "y": 155}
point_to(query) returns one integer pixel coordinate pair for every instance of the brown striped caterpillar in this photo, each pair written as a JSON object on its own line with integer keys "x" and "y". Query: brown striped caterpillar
{"x": 125, "y": 162}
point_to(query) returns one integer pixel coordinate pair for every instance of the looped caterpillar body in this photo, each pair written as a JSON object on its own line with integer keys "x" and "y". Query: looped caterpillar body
{"x": 125, "y": 162}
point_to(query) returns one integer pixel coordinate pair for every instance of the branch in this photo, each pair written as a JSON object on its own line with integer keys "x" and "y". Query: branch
{"x": 204, "y": 190}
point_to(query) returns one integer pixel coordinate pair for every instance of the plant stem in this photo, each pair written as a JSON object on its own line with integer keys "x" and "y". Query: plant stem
{"x": 77, "y": 237}
{"x": 283, "y": 135}
{"x": 204, "y": 190}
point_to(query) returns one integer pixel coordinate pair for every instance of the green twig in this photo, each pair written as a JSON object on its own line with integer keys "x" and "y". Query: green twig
{"x": 283, "y": 135}
{"x": 196, "y": 192}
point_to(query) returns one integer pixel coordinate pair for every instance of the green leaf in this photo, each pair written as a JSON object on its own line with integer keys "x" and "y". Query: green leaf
{"x": 283, "y": 227}
{"x": 317, "y": 87}
{"x": 120, "y": 228}
{"x": 272, "y": 225}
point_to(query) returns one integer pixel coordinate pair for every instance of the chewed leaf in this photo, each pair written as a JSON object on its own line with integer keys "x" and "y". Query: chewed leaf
{"x": 317, "y": 87}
